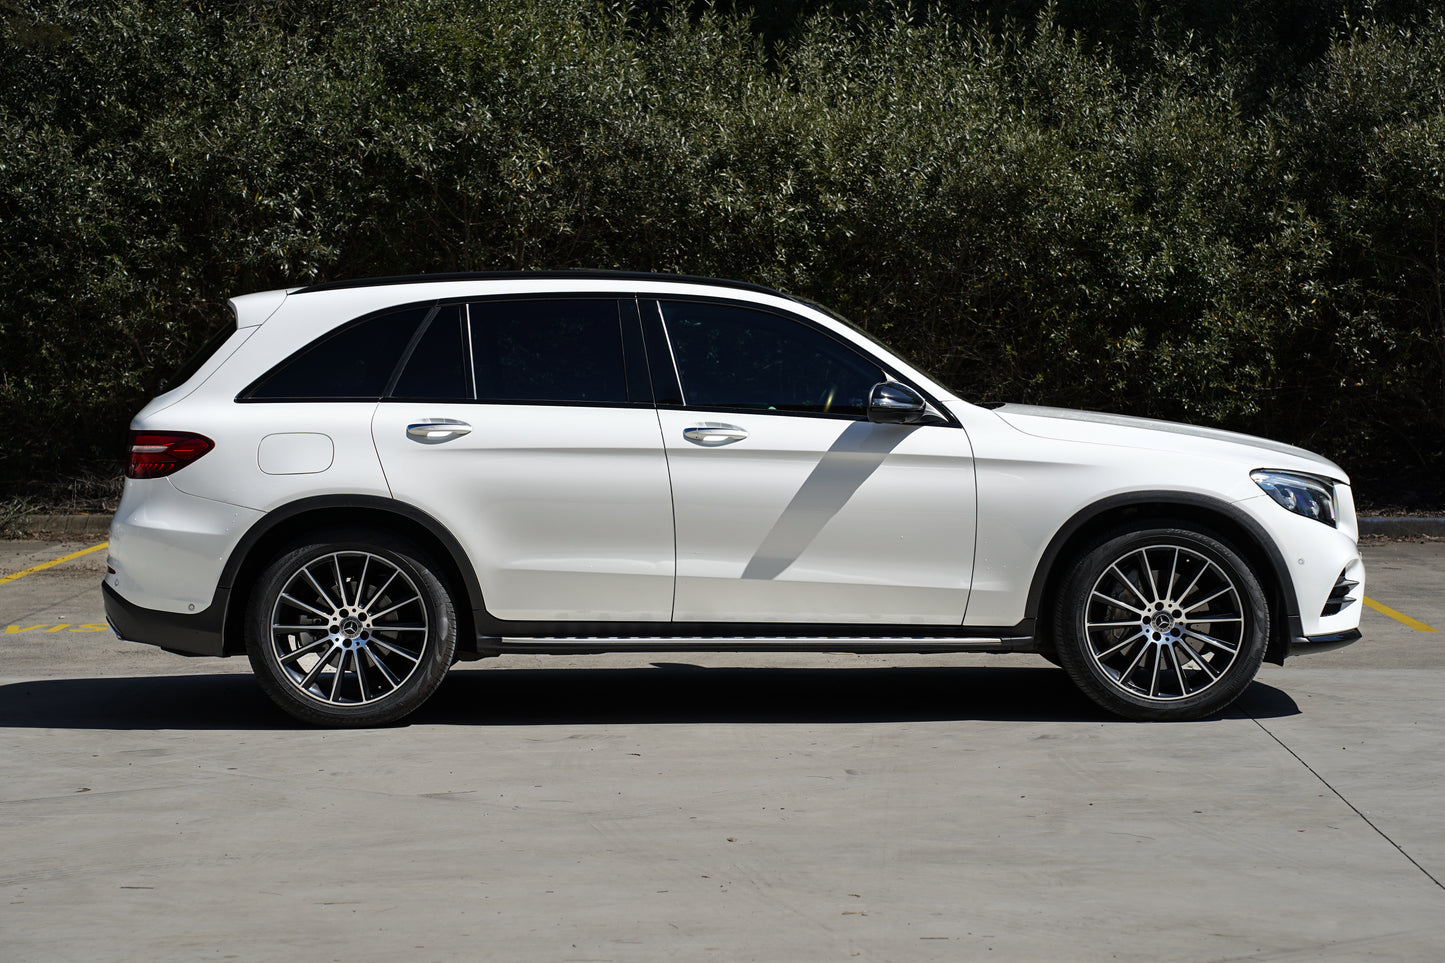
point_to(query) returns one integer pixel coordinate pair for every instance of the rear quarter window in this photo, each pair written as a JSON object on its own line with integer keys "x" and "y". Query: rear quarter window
{"x": 353, "y": 363}
{"x": 202, "y": 354}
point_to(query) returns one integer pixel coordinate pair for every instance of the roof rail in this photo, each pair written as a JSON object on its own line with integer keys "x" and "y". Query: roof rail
{"x": 578, "y": 274}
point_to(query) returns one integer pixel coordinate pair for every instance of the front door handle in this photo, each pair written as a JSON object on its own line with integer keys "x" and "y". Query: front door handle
{"x": 712, "y": 434}
{"x": 439, "y": 430}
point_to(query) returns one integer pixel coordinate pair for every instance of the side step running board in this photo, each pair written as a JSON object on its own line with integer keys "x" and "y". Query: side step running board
{"x": 598, "y": 644}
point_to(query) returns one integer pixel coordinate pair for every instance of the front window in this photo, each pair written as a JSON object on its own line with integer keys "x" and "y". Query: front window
{"x": 730, "y": 356}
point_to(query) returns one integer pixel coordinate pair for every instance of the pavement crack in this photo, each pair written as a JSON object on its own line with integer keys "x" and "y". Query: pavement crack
{"x": 1341, "y": 797}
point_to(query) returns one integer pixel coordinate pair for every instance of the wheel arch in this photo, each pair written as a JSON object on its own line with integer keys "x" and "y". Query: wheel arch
{"x": 286, "y": 524}
{"x": 1223, "y": 519}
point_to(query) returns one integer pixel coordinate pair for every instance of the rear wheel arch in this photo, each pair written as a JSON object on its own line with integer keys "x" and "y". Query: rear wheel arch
{"x": 1153, "y": 509}
{"x": 283, "y": 526}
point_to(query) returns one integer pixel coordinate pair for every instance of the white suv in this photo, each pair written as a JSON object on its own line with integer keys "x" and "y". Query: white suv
{"x": 359, "y": 483}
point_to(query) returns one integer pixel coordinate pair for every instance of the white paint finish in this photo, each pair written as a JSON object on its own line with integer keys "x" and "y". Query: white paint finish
{"x": 1102, "y": 428}
{"x": 565, "y": 512}
{"x": 821, "y": 520}
{"x": 254, "y": 309}
{"x": 1030, "y": 486}
{"x": 1315, "y": 555}
{"x": 295, "y": 453}
{"x": 203, "y": 374}
{"x": 168, "y": 548}
{"x": 231, "y": 471}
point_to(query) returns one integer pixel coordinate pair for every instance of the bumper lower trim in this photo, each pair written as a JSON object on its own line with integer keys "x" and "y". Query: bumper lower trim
{"x": 184, "y": 634}
{"x": 1310, "y": 644}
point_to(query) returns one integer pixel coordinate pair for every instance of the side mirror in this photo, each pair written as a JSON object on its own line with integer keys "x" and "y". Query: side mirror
{"x": 891, "y": 403}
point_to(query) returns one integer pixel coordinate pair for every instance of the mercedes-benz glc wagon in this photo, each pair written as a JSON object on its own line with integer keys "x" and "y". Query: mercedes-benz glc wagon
{"x": 357, "y": 484}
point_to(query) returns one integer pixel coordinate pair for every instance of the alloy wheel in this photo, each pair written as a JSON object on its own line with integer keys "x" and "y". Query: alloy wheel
{"x": 349, "y": 628}
{"x": 1164, "y": 623}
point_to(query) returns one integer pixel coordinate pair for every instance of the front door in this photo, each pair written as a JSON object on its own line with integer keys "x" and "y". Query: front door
{"x": 790, "y": 506}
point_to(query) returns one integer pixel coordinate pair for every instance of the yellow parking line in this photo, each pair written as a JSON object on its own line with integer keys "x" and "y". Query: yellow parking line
{"x": 51, "y": 564}
{"x": 1400, "y": 617}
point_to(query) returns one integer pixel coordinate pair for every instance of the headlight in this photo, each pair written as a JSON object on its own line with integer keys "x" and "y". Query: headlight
{"x": 1301, "y": 494}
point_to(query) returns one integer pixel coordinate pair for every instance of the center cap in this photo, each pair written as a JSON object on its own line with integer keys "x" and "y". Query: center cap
{"x": 1163, "y": 621}
{"x": 351, "y": 628}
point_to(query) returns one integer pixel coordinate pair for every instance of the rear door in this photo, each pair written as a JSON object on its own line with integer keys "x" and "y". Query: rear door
{"x": 519, "y": 424}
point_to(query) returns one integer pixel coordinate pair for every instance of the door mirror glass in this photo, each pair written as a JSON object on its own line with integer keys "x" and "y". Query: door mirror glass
{"x": 891, "y": 403}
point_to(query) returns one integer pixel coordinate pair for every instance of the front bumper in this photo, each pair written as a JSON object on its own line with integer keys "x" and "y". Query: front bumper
{"x": 1309, "y": 645}
{"x": 181, "y": 633}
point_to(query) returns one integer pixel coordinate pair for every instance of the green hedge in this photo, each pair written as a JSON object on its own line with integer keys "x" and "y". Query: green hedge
{"x": 1032, "y": 215}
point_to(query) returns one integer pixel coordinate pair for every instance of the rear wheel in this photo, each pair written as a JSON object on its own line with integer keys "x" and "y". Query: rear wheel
{"x": 350, "y": 629}
{"x": 1162, "y": 623}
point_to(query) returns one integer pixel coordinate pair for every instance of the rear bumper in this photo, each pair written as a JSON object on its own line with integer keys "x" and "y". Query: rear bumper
{"x": 181, "y": 633}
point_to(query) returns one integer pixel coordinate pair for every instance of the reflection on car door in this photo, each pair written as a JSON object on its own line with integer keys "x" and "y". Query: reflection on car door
{"x": 790, "y": 506}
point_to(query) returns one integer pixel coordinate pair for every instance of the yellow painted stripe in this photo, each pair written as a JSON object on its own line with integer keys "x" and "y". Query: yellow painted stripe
{"x": 1400, "y": 617}
{"x": 51, "y": 564}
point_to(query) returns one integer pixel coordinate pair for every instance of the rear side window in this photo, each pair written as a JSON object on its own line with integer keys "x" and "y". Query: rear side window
{"x": 562, "y": 351}
{"x": 436, "y": 370}
{"x": 354, "y": 363}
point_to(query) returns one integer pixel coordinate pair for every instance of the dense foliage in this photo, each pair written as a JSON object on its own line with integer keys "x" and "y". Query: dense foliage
{"x": 1136, "y": 217}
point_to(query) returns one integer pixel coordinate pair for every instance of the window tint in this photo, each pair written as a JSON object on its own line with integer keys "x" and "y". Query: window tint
{"x": 734, "y": 357}
{"x": 203, "y": 354}
{"x": 436, "y": 369}
{"x": 562, "y": 350}
{"x": 355, "y": 363}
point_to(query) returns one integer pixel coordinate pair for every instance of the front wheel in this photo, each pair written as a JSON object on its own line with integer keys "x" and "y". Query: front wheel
{"x": 350, "y": 629}
{"x": 1161, "y": 624}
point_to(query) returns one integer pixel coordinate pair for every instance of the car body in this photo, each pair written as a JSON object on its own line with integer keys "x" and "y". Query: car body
{"x": 588, "y": 462}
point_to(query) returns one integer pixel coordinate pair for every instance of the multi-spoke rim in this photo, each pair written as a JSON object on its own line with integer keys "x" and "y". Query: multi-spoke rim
{"x": 1164, "y": 623}
{"x": 349, "y": 628}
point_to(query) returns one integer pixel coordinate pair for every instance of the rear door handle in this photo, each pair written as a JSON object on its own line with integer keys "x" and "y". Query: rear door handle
{"x": 713, "y": 434}
{"x": 437, "y": 430}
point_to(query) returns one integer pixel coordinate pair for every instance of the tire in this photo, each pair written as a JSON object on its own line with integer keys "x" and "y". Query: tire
{"x": 350, "y": 629}
{"x": 1162, "y": 624}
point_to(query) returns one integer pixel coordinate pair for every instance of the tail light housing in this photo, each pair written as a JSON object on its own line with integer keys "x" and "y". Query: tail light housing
{"x": 156, "y": 454}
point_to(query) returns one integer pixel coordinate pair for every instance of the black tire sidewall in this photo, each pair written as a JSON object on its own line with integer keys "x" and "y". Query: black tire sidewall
{"x": 1072, "y": 645}
{"x": 437, "y": 655}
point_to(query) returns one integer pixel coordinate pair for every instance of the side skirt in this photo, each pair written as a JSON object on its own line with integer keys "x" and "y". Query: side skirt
{"x": 596, "y": 645}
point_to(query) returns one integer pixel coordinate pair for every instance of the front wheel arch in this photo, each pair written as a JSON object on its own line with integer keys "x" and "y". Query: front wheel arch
{"x": 1163, "y": 509}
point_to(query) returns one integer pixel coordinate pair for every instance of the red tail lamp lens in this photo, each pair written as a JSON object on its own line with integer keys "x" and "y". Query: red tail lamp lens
{"x": 156, "y": 454}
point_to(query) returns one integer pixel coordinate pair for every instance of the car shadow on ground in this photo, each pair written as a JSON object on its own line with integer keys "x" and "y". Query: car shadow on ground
{"x": 663, "y": 694}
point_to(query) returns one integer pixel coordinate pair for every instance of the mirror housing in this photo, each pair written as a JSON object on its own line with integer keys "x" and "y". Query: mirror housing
{"x": 891, "y": 403}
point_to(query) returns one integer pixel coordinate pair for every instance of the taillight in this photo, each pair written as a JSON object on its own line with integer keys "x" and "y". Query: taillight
{"x": 156, "y": 454}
